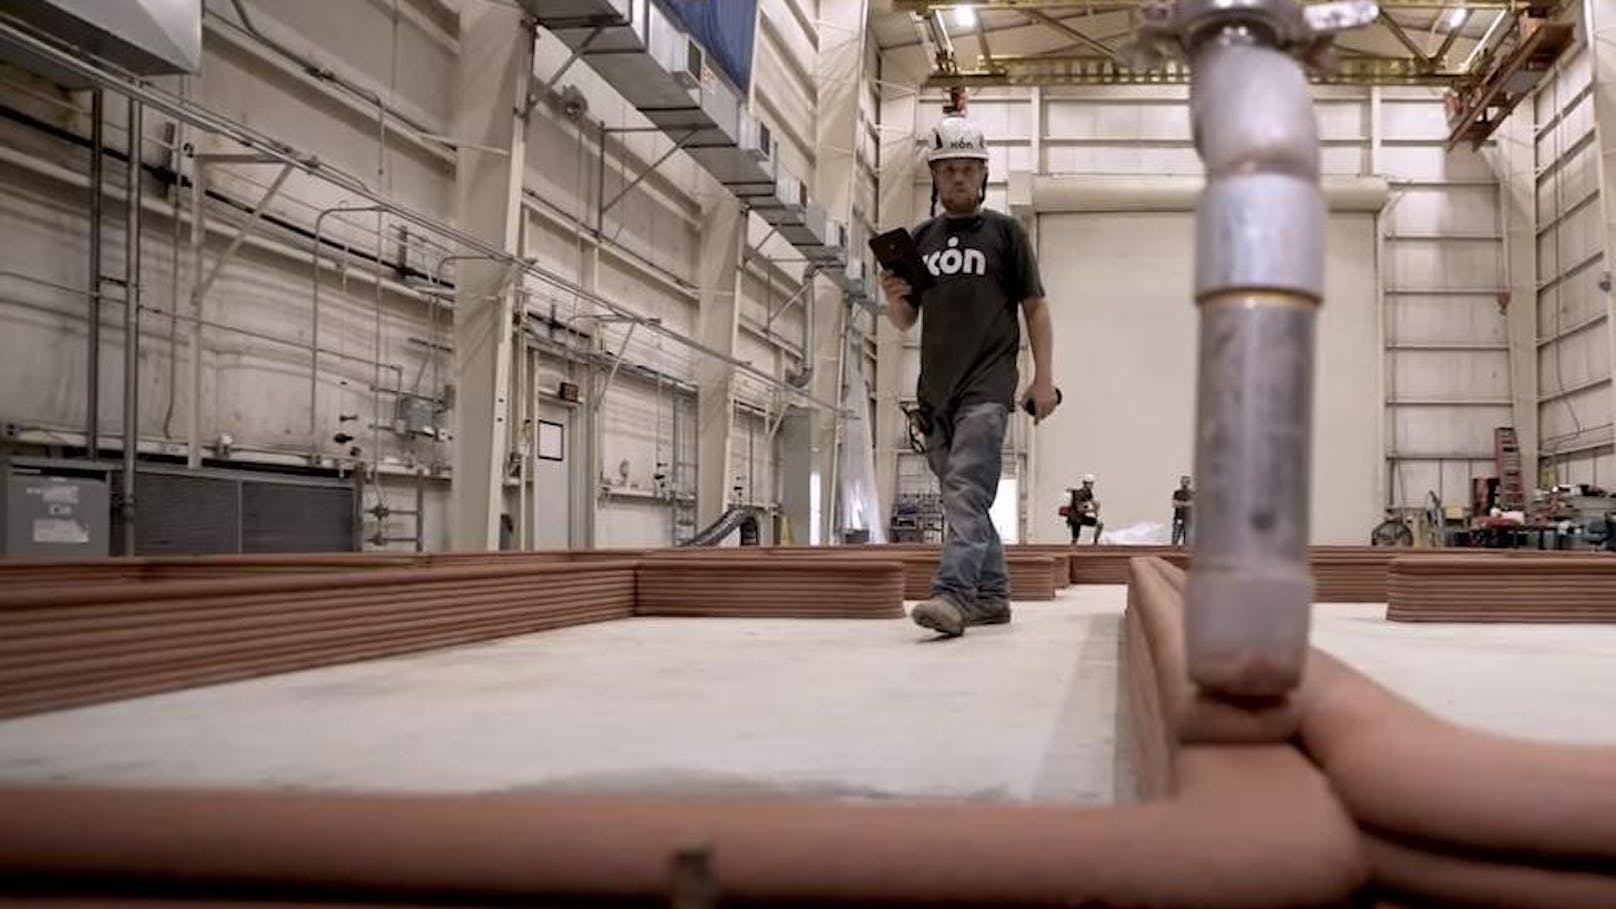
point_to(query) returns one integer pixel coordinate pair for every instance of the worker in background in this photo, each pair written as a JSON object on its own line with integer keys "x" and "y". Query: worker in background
{"x": 1084, "y": 510}
{"x": 1183, "y": 499}
{"x": 985, "y": 271}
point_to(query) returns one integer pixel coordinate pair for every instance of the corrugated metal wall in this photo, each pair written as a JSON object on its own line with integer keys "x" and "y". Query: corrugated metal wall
{"x": 1447, "y": 376}
{"x": 257, "y": 391}
{"x": 1573, "y": 331}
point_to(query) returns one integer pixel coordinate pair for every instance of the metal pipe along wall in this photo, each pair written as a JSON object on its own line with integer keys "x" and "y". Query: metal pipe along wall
{"x": 1259, "y": 281}
{"x": 131, "y": 328}
{"x": 92, "y": 373}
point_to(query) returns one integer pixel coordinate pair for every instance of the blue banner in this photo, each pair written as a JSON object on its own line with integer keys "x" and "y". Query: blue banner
{"x": 725, "y": 29}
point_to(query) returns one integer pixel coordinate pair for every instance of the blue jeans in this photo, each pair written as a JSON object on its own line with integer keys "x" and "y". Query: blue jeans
{"x": 966, "y": 458}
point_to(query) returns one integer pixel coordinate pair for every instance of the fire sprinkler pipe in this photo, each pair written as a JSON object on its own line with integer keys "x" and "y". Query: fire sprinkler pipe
{"x": 1259, "y": 282}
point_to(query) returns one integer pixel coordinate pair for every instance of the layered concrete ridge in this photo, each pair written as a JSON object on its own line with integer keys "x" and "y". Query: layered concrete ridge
{"x": 1373, "y": 802}
{"x": 1523, "y": 588}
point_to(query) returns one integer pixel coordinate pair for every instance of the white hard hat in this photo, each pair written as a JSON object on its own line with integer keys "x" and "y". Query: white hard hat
{"x": 1088, "y": 478}
{"x": 956, "y": 137}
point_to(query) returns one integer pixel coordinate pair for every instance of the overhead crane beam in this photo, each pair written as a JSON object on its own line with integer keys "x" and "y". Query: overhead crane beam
{"x": 924, "y": 6}
{"x": 1009, "y": 69}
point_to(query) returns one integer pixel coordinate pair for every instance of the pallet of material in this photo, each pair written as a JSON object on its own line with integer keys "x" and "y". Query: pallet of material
{"x": 768, "y": 587}
{"x": 1489, "y": 589}
{"x": 65, "y": 646}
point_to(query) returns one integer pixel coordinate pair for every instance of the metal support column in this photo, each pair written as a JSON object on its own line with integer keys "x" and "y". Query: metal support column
{"x": 723, "y": 241}
{"x": 495, "y": 80}
{"x": 841, "y": 79}
{"x": 896, "y": 203}
{"x": 1599, "y": 23}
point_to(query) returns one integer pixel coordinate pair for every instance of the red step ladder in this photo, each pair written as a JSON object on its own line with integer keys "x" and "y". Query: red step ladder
{"x": 1507, "y": 456}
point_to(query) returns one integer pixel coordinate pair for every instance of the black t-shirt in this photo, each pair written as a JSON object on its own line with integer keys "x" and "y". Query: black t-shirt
{"x": 1082, "y": 501}
{"x": 969, "y": 330}
{"x": 1181, "y": 501}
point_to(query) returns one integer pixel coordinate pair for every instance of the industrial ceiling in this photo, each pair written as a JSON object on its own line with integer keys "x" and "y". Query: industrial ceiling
{"x": 1064, "y": 42}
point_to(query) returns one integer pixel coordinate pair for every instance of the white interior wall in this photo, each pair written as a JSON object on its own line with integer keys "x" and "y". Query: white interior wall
{"x": 1126, "y": 329}
{"x": 256, "y": 390}
{"x": 1444, "y": 347}
{"x": 1446, "y": 369}
{"x": 1573, "y": 331}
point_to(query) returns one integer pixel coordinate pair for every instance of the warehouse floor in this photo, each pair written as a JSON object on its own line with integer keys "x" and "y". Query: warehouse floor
{"x": 820, "y": 708}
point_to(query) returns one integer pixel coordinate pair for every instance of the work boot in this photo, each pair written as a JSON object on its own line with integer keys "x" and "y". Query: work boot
{"x": 989, "y": 611}
{"x": 941, "y": 614}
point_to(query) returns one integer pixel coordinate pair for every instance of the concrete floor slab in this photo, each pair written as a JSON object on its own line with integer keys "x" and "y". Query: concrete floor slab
{"x": 1553, "y": 682}
{"x": 859, "y": 709}
{"x": 824, "y": 708}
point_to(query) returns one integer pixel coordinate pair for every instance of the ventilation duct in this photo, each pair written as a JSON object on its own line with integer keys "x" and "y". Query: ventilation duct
{"x": 146, "y": 37}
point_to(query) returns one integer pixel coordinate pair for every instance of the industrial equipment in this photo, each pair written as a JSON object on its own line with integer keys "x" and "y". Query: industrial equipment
{"x": 52, "y": 515}
{"x": 145, "y": 37}
{"x": 1509, "y": 62}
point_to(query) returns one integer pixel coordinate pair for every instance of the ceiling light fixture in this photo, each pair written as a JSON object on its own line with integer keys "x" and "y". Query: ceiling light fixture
{"x": 1456, "y": 18}
{"x": 965, "y": 16}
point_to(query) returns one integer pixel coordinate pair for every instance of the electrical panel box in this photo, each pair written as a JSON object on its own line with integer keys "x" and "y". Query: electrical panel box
{"x": 415, "y": 415}
{"x": 55, "y": 517}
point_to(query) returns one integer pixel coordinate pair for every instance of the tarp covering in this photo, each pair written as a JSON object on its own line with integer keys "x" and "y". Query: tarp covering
{"x": 725, "y": 29}
{"x": 861, "y": 509}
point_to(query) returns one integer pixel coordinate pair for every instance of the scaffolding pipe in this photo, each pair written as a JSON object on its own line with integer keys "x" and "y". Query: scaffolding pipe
{"x": 131, "y": 328}
{"x": 92, "y": 412}
{"x": 1259, "y": 281}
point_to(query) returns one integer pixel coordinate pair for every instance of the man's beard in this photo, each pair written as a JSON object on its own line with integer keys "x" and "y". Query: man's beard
{"x": 966, "y": 205}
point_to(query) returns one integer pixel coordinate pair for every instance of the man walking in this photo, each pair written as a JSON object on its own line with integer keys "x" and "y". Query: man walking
{"x": 984, "y": 270}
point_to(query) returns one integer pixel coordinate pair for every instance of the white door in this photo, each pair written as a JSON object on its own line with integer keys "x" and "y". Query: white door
{"x": 553, "y": 452}
{"x": 1119, "y": 287}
